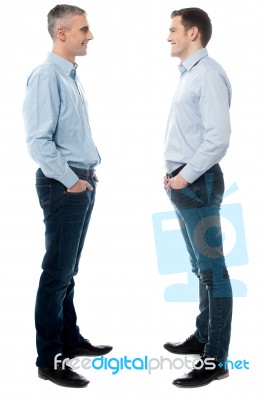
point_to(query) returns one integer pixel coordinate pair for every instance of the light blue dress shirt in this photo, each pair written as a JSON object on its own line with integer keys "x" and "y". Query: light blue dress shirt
{"x": 56, "y": 121}
{"x": 198, "y": 128}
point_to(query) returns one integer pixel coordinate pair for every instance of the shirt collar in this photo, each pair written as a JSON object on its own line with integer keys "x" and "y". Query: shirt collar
{"x": 192, "y": 60}
{"x": 62, "y": 63}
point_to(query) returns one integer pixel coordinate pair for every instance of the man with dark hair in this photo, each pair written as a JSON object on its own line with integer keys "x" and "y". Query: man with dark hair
{"x": 197, "y": 138}
{"x": 59, "y": 139}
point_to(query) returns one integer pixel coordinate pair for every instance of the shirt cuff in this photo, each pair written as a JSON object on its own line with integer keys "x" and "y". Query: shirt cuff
{"x": 69, "y": 178}
{"x": 189, "y": 174}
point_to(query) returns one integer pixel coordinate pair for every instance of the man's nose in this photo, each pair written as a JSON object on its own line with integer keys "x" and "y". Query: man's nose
{"x": 90, "y": 35}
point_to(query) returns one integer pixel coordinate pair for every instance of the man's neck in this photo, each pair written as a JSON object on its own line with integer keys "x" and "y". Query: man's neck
{"x": 191, "y": 51}
{"x": 61, "y": 53}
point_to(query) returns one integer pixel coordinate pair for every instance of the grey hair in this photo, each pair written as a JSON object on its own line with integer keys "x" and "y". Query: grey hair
{"x": 61, "y": 14}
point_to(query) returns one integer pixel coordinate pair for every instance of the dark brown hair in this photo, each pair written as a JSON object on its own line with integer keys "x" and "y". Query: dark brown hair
{"x": 196, "y": 17}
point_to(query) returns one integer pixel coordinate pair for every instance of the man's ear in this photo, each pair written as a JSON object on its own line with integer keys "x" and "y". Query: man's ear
{"x": 194, "y": 33}
{"x": 60, "y": 34}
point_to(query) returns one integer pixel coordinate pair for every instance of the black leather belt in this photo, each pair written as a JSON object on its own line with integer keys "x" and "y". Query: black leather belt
{"x": 86, "y": 173}
{"x": 175, "y": 172}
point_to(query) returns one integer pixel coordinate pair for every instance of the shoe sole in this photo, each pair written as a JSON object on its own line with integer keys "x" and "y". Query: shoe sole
{"x": 46, "y": 378}
{"x": 217, "y": 378}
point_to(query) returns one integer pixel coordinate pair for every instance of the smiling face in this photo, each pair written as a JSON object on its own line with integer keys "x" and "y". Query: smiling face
{"x": 72, "y": 40}
{"x": 183, "y": 42}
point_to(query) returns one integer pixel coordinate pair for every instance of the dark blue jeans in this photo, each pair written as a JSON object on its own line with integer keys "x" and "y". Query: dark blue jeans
{"x": 198, "y": 210}
{"x": 66, "y": 218}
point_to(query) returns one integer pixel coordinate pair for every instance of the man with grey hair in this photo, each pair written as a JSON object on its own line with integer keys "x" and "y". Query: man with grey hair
{"x": 59, "y": 139}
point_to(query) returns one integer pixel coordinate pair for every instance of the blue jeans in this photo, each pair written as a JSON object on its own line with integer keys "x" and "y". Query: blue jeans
{"x": 198, "y": 210}
{"x": 66, "y": 218}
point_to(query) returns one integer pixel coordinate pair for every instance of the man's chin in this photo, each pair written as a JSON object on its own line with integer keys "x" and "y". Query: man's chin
{"x": 174, "y": 52}
{"x": 83, "y": 53}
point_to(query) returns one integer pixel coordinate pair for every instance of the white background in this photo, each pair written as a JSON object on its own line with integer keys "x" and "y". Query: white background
{"x": 130, "y": 79}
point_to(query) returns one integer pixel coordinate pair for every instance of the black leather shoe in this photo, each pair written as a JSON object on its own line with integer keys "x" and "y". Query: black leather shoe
{"x": 190, "y": 346}
{"x": 87, "y": 349}
{"x": 201, "y": 375}
{"x": 63, "y": 377}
